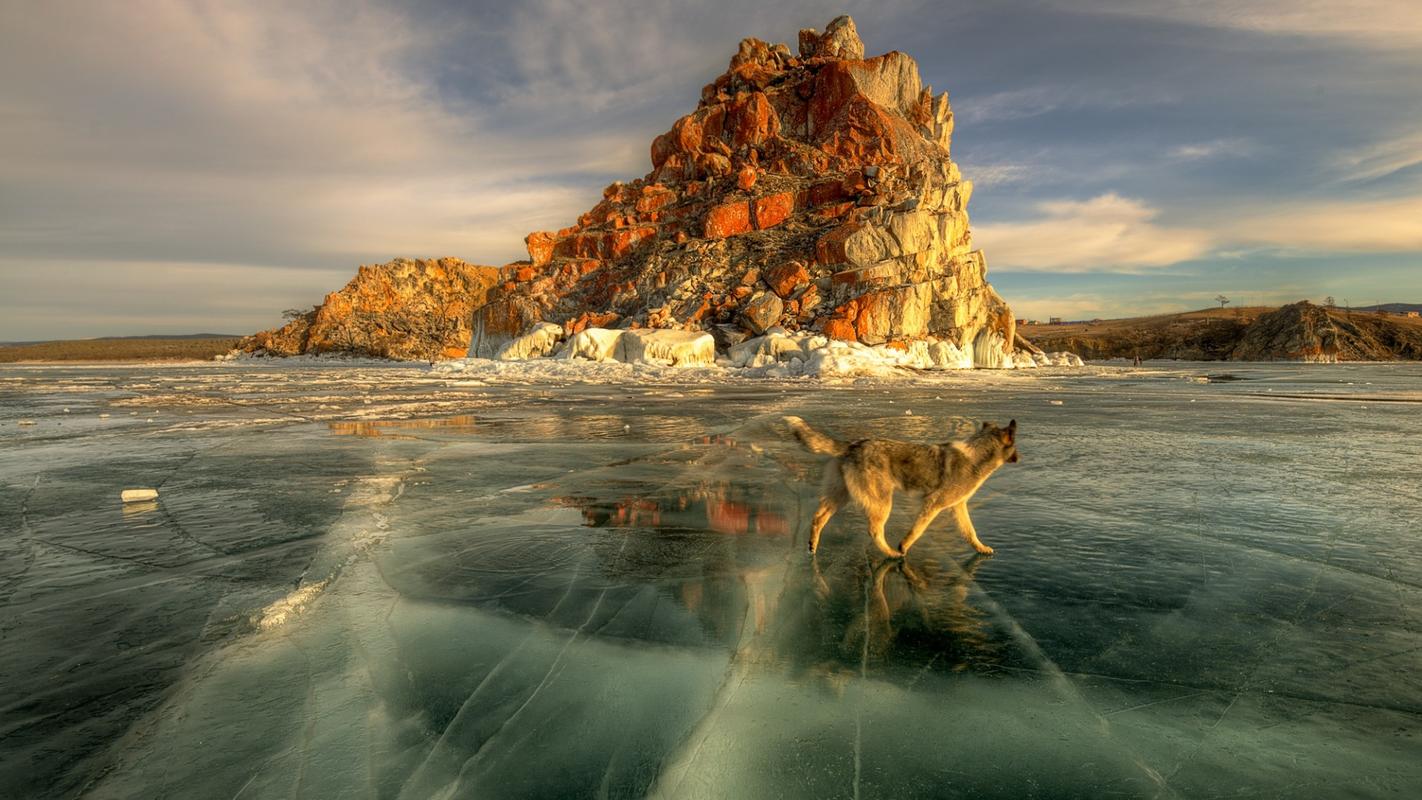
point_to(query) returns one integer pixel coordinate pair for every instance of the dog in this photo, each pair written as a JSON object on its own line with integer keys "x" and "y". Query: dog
{"x": 868, "y": 471}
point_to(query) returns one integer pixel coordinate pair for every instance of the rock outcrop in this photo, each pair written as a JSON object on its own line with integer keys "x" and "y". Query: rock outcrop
{"x": 406, "y": 309}
{"x": 1306, "y": 332}
{"x": 1298, "y": 332}
{"x": 808, "y": 192}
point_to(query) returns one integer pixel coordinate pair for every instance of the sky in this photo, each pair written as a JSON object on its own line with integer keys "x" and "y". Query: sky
{"x": 174, "y": 166}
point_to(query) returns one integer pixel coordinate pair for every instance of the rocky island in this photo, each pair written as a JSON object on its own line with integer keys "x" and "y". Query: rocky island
{"x": 809, "y": 202}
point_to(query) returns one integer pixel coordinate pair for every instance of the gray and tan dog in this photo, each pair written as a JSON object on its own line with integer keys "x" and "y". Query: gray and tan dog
{"x": 868, "y": 471}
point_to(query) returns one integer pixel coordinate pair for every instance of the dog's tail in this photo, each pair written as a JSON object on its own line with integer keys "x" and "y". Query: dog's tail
{"x": 813, "y": 440}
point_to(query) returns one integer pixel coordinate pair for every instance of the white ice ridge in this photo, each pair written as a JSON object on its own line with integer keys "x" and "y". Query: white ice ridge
{"x": 777, "y": 354}
{"x": 360, "y": 529}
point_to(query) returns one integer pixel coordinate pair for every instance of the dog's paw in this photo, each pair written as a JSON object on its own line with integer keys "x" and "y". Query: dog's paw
{"x": 985, "y": 550}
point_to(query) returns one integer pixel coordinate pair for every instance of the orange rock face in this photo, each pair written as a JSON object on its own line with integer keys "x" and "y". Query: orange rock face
{"x": 773, "y": 209}
{"x": 540, "y": 247}
{"x": 784, "y": 279}
{"x": 730, "y": 219}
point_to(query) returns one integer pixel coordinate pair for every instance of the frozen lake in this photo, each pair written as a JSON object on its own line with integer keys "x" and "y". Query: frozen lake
{"x": 365, "y": 581}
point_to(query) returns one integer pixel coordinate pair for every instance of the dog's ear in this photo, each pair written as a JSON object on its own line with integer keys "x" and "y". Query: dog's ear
{"x": 1012, "y": 429}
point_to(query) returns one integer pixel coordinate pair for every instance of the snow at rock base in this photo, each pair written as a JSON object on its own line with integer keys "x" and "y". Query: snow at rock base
{"x": 777, "y": 354}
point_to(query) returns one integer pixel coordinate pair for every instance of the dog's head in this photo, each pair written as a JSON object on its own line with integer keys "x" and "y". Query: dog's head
{"x": 1005, "y": 438}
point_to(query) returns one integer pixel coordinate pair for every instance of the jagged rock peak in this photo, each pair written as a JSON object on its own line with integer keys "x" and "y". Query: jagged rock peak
{"x": 840, "y": 40}
{"x": 810, "y": 192}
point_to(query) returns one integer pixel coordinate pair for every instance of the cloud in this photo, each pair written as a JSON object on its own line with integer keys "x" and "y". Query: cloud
{"x": 1382, "y": 159}
{"x": 147, "y": 297}
{"x": 1374, "y": 23}
{"x": 1033, "y": 101}
{"x": 1108, "y": 233}
{"x": 1071, "y": 307}
{"x": 267, "y": 133}
{"x": 1111, "y": 233}
{"x": 1214, "y": 148}
{"x": 1364, "y": 226}
{"x": 1001, "y": 174}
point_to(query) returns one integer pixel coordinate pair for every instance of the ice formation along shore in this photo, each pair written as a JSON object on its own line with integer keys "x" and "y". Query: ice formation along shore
{"x": 777, "y": 354}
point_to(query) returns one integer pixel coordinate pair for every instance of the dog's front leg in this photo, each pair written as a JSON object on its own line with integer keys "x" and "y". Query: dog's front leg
{"x": 920, "y": 525}
{"x": 965, "y": 526}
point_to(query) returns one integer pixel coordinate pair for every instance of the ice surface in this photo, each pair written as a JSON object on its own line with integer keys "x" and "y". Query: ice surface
{"x": 578, "y": 579}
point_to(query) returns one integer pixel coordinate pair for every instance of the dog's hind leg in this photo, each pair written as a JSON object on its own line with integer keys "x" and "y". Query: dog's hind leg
{"x": 965, "y": 526}
{"x": 833, "y": 494}
{"x": 925, "y": 518}
{"x": 878, "y": 515}
{"x": 876, "y": 497}
{"x": 826, "y": 510}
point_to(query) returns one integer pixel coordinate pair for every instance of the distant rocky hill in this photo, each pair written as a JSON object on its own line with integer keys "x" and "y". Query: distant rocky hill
{"x": 1298, "y": 332}
{"x": 1394, "y": 308}
{"x": 406, "y": 309}
{"x": 810, "y": 191}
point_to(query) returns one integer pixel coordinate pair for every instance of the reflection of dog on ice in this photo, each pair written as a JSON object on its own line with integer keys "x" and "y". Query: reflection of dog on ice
{"x": 868, "y": 471}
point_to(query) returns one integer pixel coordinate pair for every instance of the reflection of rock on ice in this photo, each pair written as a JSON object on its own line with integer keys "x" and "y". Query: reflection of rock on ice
{"x": 141, "y": 511}
{"x": 399, "y": 428}
{"x": 720, "y": 506}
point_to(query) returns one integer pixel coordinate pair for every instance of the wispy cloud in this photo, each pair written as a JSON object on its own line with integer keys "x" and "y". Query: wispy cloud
{"x": 1376, "y": 23}
{"x": 1000, "y": 174}
{"x": 1214, "y": 148}
{"x": 1108, "y": 233}
{"x": 1034, "y": 101}
{"x": 1382, "y": 159}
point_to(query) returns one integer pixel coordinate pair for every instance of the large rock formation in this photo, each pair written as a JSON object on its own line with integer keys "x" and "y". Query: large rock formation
{"x": 406, "y": 309}
{"x": 813, "y": 192}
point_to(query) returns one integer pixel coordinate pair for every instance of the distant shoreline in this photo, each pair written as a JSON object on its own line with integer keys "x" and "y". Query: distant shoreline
{"x": 138, "y": 350}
